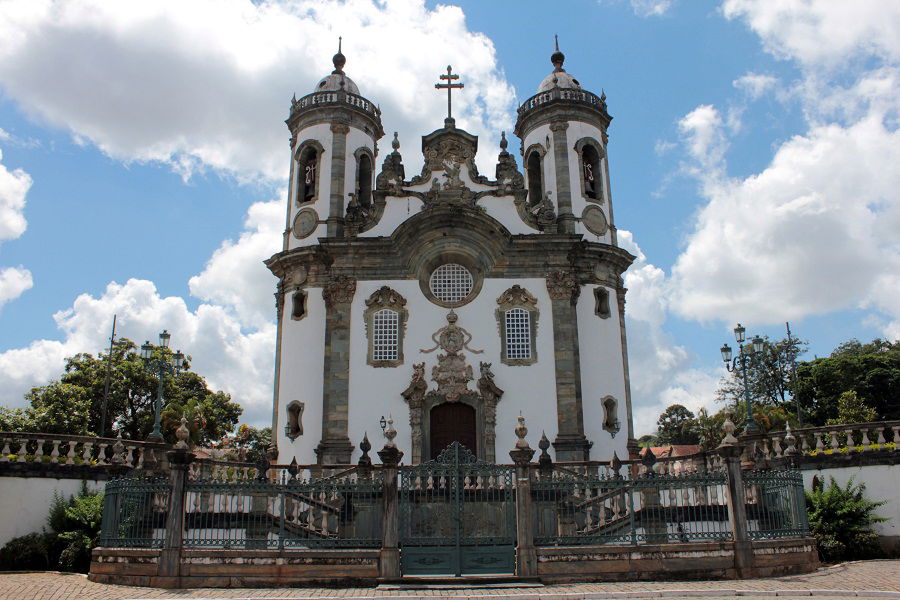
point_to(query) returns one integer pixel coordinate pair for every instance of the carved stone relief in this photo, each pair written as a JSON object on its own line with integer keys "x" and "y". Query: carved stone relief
{"x": 305, "y": 223}
{"x": 563, "y": 285}
{"x": 339, "y": 290}
{"x": 594, "y": 220}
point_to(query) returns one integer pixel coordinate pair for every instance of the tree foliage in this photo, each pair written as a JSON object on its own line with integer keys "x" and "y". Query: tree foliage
{"x": 871, "y": 370}
{"x": 676, "y": 426}
{"x": 73, "y": 404}
{"x": 769, "y": 373}
{"x": 841, "y": 519}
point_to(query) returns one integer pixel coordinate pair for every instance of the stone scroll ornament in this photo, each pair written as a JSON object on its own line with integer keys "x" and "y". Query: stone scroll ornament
{"x": 563, "y": 285}
{"x": 339, "y": 290}
{"x": 452, "y": 374}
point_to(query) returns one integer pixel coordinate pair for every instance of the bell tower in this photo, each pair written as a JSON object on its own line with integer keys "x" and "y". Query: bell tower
{"x": 334, "y": 135}
{"x": 563, "y": 132}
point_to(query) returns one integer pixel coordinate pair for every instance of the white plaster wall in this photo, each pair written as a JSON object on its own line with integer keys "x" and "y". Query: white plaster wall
{"x": 25, "y": 502}
{"x": 882, "y": 483}
{"x": 576, "y": 131}
{"x": 602, "y": 374}
{"x": 503, "y": 209}
{"x": 376, "y": 391}
{"x": 322, "y": 134}
{"x": 396, "y": 211}
{"x": 301, "y": 376}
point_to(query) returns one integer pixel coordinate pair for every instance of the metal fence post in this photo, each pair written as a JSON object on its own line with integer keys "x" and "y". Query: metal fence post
{"x": 389, "y": 560}
{"x": 730, "y": 451}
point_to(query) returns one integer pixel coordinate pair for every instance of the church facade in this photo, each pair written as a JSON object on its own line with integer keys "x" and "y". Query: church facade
{"x": 450, "y": 302}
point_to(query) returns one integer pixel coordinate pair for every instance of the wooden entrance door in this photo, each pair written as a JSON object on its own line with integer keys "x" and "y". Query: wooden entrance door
{"x": 453, "y": 422}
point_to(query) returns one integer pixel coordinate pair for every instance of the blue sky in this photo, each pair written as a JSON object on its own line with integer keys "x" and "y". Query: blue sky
{"x": 753, "y": 158}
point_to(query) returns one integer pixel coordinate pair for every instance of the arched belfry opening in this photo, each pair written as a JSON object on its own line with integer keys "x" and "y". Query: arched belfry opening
{"x": 308, "y": 172}
{"x": 534, "y": 168}
{"x": 590, "y": 172}
{"x": 452, "y": 422}
{"x": 364, "y": 181}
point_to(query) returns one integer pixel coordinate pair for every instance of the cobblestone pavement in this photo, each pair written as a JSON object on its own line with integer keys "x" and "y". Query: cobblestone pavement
{"x": 857, "y": 579}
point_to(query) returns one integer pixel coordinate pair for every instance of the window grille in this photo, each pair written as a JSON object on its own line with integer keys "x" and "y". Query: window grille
{"x": 385, "y": 335}
{"x": 451, "y": 283}
{"x": 518, "y": 334}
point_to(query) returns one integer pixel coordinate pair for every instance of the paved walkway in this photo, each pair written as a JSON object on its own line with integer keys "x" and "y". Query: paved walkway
{"x": 879, "y": 578}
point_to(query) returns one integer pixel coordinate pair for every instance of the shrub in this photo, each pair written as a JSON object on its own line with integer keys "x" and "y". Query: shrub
{"x": 841, "y": 519}
{"x": 84, "y": 514}
{"x": 27, "y": 553}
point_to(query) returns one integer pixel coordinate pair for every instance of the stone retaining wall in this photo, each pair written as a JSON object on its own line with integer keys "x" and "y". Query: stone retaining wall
{"x": 705, "y": 560}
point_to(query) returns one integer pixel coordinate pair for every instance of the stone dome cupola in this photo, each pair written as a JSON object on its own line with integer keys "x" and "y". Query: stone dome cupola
{"x": 337, "y": 80}
{"x": 559, "y": 77}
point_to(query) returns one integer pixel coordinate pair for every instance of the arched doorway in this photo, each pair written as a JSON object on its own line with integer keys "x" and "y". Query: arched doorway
{"x": 453, "y": 422}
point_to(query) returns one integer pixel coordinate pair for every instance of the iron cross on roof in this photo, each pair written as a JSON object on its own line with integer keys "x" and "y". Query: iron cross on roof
{"x": 449, "y": 78}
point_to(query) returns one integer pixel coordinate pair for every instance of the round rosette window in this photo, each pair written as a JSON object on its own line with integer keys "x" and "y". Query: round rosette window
{"x": 451, "y": 284}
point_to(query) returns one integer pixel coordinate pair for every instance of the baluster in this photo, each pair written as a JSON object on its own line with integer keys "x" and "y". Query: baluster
{"x": 819, "y": 445}
{"x": 54, "y": 453}
{"x": 865, "y": 439}
{"x": 39, "y": 453}
{"x": 851, "y": 445}
{"x": 880, "y": 431}
{"x": 804, "y": 443}
{"x": 4, "y": 455}
{"x": 835, "y": 444}
{"x": 22, "y": 450}
{"x": 86, "y": 454}
{"x": 896, "y": 430}
{"x": 776, "y": 446}
{"x": 129, "y": 456}
{"x": 714, "y": 495}
{"x": 70, "y": 455}
{"x": 479, "y": 483}
{"x": 101, "y": 456}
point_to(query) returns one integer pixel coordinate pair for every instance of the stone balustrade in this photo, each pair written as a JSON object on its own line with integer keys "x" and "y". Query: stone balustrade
{"x": 881, "y": 436}
{"x": 42, "y": 449}
{"x": 317, "y": 99}
{"x": 563, "y": 94}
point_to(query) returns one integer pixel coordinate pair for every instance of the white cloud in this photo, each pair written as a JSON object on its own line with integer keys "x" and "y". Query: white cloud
{"x": 646, "y": 8}
{"x": 14, "y": 186}
{"x": 236, "y": 277}
{"x": 14, "y": 281}
{"x": 824, "y": 33}
{"x": 239, "y": 363}
{"x": 206, "y": 83}
{"x": 702, "y": 129}
{"x": 755, "y": 84}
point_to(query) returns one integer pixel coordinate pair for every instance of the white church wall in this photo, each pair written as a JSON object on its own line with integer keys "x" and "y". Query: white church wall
{"x": 503, "y": 209}
{"x": 300, "y": 376}
{"x": 322, "y": 134}
{"x": 26, "y": 502}
{"x": 396, "y": 211}
{"x": 602, "y": 374}
{"x": 376, "y": 391}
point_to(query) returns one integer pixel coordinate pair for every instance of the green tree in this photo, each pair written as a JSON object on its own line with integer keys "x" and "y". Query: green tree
{"x": 871, "y": 370}
{"x": 73, "y": 404}
{"x": 852, "y": 409}
{"x": 676, "y": 426}
{"x": 769, "y": 373}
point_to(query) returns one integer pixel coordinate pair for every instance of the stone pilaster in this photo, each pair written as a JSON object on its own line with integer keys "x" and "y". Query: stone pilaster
{"x": 565, "y": 218}
{"x": 633, "y": 448}
{"x": 335, "y": 219}
{"x": 389, "y": 559}
{"x": 570, "y": 443}
{"x": 335, "y": 446}
{"x": 279, "y": 313}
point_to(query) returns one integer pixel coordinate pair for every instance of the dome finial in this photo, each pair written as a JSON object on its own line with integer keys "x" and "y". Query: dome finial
{"x": 339, "y": 59}
{"x": 557, "y": 58}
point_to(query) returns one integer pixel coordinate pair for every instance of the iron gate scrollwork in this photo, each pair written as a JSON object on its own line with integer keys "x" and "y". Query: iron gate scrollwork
{"x": 457, "y": 516}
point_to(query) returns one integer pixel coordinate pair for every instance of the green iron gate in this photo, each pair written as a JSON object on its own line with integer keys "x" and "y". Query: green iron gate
{"x": 457, "y": 516}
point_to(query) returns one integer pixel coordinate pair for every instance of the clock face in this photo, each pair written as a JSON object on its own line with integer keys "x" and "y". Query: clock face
{"x": 305, "y": 223}
{"x": 594, "y": 220}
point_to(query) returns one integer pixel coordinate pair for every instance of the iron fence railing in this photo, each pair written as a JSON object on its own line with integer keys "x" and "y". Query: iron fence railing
{"x": 134, "y": 512}
{"x": 776, "y": 504}
{"x": 616, "y": 509}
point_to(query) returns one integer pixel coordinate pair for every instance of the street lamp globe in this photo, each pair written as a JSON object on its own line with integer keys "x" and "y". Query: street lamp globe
{"x": 739, "y": 333}
{"x": 146, "y": 350}
{"x": 726, "y": 353}
{"x": 164, "y": 338}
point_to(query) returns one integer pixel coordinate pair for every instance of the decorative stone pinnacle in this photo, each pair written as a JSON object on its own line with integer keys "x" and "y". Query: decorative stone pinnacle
{"x": 182, "y": 433}
{"x": 293, "y": 469}
{"x": 648, "y": 459}
{"x": 339, "y": 60}
{"x": 390, "y": 433}
{"x": 521, "y": 432}
{"x": 503, "y": 142}
{"x": 790, "y": 441}
{"x": 729, "y": 439}
{"x": 395, "y": 143}
{"x": 615, "y": 464}
{"x": 118, "y": 448}
{"x": 557, "y": 58}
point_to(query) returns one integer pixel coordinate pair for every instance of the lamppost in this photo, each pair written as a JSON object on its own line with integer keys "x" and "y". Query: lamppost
{"x": 742, "y": 358}
{"x": 173, "y": 364}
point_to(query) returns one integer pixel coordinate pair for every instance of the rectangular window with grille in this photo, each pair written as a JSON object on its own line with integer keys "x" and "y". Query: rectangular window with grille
{"x": 518, "y": 334}
{"x": 385, "y": 335}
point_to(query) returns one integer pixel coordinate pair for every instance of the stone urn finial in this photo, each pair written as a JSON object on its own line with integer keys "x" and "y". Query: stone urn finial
{"x": 390, "y": 433}
{"x": 118, "y": 457}
{"x": 729, "y": 439}
{"x": 521, "y": 432}
{"x": 790, "y": 441}
{"x": 182, "y": 433}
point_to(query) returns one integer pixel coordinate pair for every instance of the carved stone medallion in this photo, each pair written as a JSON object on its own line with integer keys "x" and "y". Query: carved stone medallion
{"x": 305, "y": 223}
{"x": 594, "y": 220}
